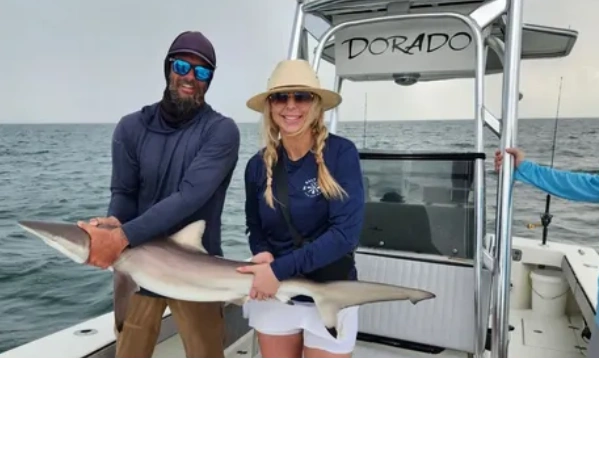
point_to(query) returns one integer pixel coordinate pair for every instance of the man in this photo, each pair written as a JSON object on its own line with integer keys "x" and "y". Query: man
{"x": 172, "y": 163}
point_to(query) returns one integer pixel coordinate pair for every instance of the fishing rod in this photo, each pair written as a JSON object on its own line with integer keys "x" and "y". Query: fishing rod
{"x": 546, "y": 217}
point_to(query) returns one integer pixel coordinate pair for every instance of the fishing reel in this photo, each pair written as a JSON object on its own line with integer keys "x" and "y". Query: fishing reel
{"x": 545, "y": 221}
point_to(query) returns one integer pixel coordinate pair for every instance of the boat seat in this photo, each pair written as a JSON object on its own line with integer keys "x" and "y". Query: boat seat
{"x": 427, "y": 247}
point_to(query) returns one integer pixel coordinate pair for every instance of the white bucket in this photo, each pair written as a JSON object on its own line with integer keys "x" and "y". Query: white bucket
{"x": 549, "y": 292}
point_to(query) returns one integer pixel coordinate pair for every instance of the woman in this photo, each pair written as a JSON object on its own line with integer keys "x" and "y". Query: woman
{"x": 317, "y": 175}
{"x": 567, "y": 185}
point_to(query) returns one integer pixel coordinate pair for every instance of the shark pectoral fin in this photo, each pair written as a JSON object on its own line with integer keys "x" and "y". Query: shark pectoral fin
{"x": 329, "y": 312}
{"x": 124, "y": 287}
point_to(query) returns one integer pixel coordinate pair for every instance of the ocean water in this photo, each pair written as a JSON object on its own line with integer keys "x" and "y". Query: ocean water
{"x": 62, "y": 172}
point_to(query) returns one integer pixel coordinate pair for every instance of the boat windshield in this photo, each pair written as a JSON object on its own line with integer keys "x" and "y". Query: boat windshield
{"x": 421, "y": 203}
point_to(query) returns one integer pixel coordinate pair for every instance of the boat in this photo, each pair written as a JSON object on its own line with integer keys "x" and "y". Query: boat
{"x": 498, "y": 295}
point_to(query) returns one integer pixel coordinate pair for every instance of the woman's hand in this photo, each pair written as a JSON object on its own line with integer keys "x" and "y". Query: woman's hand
{"x": 263, "y": 257}
{"x": 516, "y": 153}
{"x": 265, "y": 283}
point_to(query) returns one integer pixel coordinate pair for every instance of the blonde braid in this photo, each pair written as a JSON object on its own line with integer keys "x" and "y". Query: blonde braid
{"x": 328, "y": 185}
{"x": 271, "y": 137}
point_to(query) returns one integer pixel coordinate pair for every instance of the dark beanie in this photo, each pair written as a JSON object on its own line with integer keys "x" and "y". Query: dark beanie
{"x": 191, "y": 42}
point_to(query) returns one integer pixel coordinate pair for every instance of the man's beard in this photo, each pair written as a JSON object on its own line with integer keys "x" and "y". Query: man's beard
{"x": 186, "y": 104}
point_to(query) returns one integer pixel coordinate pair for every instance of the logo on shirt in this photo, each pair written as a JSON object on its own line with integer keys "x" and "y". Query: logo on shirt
{"x": 311, "y": 188}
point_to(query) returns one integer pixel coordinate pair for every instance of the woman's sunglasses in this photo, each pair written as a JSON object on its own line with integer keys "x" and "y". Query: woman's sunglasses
{"x": 182, "y": 67}
{"x": 298, "y": 97}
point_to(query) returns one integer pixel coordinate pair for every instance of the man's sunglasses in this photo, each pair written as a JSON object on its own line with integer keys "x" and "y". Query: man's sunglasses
{"x": 298, "y": 96}
{"x": 182, "y": 67}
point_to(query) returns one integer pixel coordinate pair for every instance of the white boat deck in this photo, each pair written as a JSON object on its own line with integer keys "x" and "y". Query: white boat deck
{"x": 532, "y": 337}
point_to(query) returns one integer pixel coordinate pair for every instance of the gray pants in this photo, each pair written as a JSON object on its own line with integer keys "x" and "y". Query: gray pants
{"x": 593, "y": 349}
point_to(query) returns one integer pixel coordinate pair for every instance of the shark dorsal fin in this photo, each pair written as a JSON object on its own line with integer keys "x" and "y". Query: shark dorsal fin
{"x": 191, "y": 235}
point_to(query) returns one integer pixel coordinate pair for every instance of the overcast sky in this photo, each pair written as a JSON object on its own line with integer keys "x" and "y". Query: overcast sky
{"x": 93, "y": 61}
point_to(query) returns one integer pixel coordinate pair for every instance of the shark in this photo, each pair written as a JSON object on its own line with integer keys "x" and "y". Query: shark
{"x": 179, "y": 267}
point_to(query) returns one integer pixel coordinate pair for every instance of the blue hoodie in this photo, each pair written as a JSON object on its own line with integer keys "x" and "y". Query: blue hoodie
{"x": 164, "y": 178}
{"x": 565, "y": 184}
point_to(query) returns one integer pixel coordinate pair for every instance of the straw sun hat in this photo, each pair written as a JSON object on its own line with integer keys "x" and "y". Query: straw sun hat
{"x": 294, "y": 75}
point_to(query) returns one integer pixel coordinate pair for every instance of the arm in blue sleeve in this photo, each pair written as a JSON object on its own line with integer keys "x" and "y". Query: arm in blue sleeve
{"x": 345, "y": 224}
{"x": 257, "y": 240}
{"x": 565, "y": 184}
{"x": 217, "y": 156}
{"x": 124, "y": 182}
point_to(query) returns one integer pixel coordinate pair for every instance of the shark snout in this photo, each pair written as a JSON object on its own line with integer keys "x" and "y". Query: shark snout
{"x": 69, "y": 239}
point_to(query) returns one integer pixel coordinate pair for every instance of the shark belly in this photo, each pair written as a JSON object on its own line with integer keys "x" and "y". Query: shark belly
{"x": 189, "y": 283}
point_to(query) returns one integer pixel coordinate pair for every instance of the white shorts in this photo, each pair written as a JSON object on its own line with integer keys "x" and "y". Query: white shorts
{"x": 276, "y": 318}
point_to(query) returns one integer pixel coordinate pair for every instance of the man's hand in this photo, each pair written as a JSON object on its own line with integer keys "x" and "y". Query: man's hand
{"x": 106, "y": 245}
{"x": 516, "y": 153}
{"x": 109, "y": 221}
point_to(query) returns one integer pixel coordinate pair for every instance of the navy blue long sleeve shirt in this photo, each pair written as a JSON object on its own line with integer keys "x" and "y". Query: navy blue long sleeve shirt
{"x": 334, "y": 224}
{"x": 165, "y": 178}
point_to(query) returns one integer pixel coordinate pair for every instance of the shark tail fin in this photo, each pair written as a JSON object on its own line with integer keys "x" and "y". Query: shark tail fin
{"x": 328, "y": 311}
{"x": 331, "y": 297}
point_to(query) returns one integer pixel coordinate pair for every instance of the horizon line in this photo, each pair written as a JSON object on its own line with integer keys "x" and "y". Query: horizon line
{"x": 340, "y": 122}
